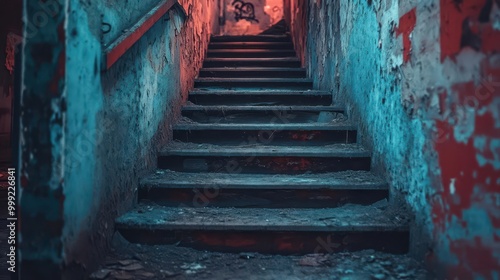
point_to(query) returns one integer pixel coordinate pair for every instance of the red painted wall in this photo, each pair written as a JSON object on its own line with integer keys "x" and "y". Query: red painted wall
{"x": 465, "y": 134}
{"x": 470, "y": 166}
{"x": 10, "y": 32}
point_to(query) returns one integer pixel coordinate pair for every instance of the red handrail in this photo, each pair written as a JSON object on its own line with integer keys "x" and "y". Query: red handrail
{"x": 121, "y": 45}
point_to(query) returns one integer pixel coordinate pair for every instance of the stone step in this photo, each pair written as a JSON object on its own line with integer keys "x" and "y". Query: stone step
{"x": 346, "y": 180}
{"x": 264, "y": 114}
{"x": 258, "y": 158}
{"x": 267, "y": 230}
{"x": 261, "y": 109}
{"x": 252, "y": 72}
{"x": 252, "y": 62}
{"x": 260, "y": 98}
{"x": 228, "y": 83}
{"x": 251, "y": 38}
{"x": 247, "y": 53}
{"x": 260, "y": 162}
{"x": 251, "y": 45}
{"x": 284, "y": 134}
{"x": 170, "y": 188}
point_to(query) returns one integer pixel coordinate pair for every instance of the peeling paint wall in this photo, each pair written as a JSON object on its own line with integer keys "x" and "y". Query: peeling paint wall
{"x": 466, "y": 209}
{"x": 422, "y": 78}
{"x": 110, "y": 124}
{"x": 40, "y": 179}
{"x": 251, "y": 17}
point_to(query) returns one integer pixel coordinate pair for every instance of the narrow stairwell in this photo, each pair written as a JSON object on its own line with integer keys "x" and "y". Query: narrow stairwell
{"x": 263, "y": 162}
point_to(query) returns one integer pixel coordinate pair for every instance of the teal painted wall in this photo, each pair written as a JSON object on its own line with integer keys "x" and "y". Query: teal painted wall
{"x": 110, "y": 125}
{"x": 424, "y": 90}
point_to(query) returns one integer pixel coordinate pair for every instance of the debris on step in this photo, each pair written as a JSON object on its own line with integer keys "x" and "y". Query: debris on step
{"x": 313, "y": 260}
{"x": 168, "y": 274}
{"x": 101, "y": 274}
{"x": 192, "y": 268}
{"x": 247, "y": 256}
{"x": 122, "y": 270}
{"x": 173, "y": 262}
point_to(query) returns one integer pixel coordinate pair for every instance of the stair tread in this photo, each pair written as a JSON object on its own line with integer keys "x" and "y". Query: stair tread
{"x": 244, "y": 69}
{"x": 273, "y": 80}
{"x": 230, "y": 59}
{"x": 333, "y": 150}
{"x": 259, "y": 92}
{"x": 341, "y": 125}
{"x": 149, "y": 216}
{"x": 312, "y": 108}
{"x": 224, "y": 45}
{"x": 252, "y": 62}
{"x": 344, "y": 180}
{"x": 250, "y": 43}
{"x": 251, "y": 38}
{"x": 249, "y": 51}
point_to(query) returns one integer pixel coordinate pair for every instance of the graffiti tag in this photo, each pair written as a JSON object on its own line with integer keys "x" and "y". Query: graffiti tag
{"x": 244, "y": 10}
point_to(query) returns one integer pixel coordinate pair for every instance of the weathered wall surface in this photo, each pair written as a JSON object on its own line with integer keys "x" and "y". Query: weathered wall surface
{"x": 423, "y": 80}
{"x": 110, "y": 124}
{"x": 466, "y": 85}
{"x": 40, "y": 179}
{"x": 296, "y": 16}
{"x": 10, "y": 39}
{"x": 250, "y": 17}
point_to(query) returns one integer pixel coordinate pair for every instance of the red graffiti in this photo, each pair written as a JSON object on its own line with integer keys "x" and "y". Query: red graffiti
{"x": 406, "y": 25}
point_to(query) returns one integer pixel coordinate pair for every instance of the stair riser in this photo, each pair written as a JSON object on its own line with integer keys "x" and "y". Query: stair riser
{"x": 239, "y": 63}
{"x": 272, "y": 242}
{"x": 207, "y": 73}
{"x": 253, "y": 84}
{"x": 262, "y": 164}
{"x": 250, "y": 54}
{"x": 256, "y": 100}
{"x": 256, "y": 45}
{"x": 215, "y": 196}
{"x": 278, "y": 138}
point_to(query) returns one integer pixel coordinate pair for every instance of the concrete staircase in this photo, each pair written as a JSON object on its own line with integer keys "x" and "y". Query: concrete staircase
{"x": 263, "y": 162}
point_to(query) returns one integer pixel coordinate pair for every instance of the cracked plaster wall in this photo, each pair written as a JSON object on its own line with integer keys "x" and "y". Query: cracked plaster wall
{"x": 422, "y": 78}
{"x": 96, "y": 132}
